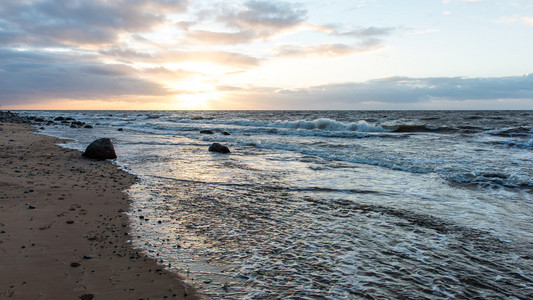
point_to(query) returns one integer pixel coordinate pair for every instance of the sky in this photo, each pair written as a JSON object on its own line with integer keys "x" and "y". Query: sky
{"x": 337, "y": 54}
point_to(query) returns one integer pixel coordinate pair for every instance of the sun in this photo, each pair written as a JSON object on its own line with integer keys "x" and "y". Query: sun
{"x": 197, "y": 89}
{"x": 194, "y": 94}
{"x": 196, "y": 101}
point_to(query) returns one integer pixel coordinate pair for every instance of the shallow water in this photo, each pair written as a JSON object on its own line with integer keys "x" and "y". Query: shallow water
{"x": 330, "y": 204}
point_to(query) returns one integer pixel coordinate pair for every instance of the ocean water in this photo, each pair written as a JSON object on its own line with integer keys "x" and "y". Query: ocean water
{"x": 329, "y": 204}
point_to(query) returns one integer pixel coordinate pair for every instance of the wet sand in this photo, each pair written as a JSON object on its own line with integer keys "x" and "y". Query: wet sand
{"x": 63, "y": 230}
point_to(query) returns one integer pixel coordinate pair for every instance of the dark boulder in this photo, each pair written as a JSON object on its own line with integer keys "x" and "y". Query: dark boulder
{"x": 225, "y": 133}
{"x": 121, "y": 129}
{"x": 59, "y": 119}
{"x": 101, "y": 149}
{"x": 216, "y": 147}
{"x": 88, "y": 126}
{"x": 206, "y": 131}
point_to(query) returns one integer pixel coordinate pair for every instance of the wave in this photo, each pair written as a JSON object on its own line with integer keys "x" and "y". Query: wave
{"x": 419, "y": 128}
{"x": 489, "y": 180}
{"x": 319, "y": 124}
{"x": 325, "y": 125}
{"x": 528, "y": 145}
{"x": 522, "y": 131}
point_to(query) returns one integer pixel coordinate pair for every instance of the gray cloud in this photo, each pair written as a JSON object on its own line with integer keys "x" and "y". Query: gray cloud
{"x": 360, "y": 32}
{"x": 368, "y": 32}
{"x": 30, "y": 77}
{"x": 262, "y": 20}
{"x": 395, "y": 92}
{"x": 231, "y": 59}
{"x": 367, "y": 39}
{"x": 53, "y": 23}
{"x": 255, "y": 20}
{"x": 326, "y": 49}
{"x": 265, "y": 16}
{"x": 127, "y": 55}
{"x": 412, "y": 90}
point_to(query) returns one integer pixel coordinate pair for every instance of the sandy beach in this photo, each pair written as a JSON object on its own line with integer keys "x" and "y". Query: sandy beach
{"x": 63, "y": 230}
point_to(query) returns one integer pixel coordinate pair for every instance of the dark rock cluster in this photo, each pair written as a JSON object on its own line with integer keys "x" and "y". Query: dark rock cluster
{"x": 35, "y": 120}
{"x": 9, "y": 117}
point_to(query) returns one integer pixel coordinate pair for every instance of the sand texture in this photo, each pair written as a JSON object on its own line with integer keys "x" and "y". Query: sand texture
{"x": 63, "y": 230}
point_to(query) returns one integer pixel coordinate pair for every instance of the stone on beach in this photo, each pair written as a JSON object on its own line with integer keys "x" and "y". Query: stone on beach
{"x": 216, "y": 147}
{"x": 101, "y": 149}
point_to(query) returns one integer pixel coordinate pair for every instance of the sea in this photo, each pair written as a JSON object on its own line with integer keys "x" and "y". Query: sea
{"x": 328, "y": 204}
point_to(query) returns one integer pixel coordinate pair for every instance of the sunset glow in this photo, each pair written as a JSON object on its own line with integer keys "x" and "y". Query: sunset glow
{"x": 234, "y": 54}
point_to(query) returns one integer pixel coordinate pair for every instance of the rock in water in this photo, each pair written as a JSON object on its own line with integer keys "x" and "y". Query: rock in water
{"x": 206, "y": 131}
{"x": 101, "y": 149}
{"x": 216, "y": 147}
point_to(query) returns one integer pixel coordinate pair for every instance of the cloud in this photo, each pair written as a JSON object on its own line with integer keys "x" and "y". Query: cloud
{"x": 331, "y": 50}
{"x": 95, "y": 22}
{"x": 251, "y": 21}
{"x": 225, "y": 58}
{"x": 29, "y": 77}
{"x": 367, "y": 39}
{"x": 528, "y": 20}
{"x": 264, "y": 20}
{"x": 396, "y": 93}
{"x": 265, "y": 16}
{"x": 126, "y": 55}
{"x": 231, "y": 59}
{"x": 405, "y": 89}
{"x": 359, "y": 33}
{"x": 214, "y": 37}
{"x": 516, "y": 19}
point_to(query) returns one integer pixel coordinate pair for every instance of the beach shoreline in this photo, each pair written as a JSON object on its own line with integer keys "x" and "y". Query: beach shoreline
{"x": 64, "y": 232}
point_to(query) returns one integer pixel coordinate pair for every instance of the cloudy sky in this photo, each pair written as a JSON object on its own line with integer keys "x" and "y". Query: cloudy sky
{"x": 337, "y": 54}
